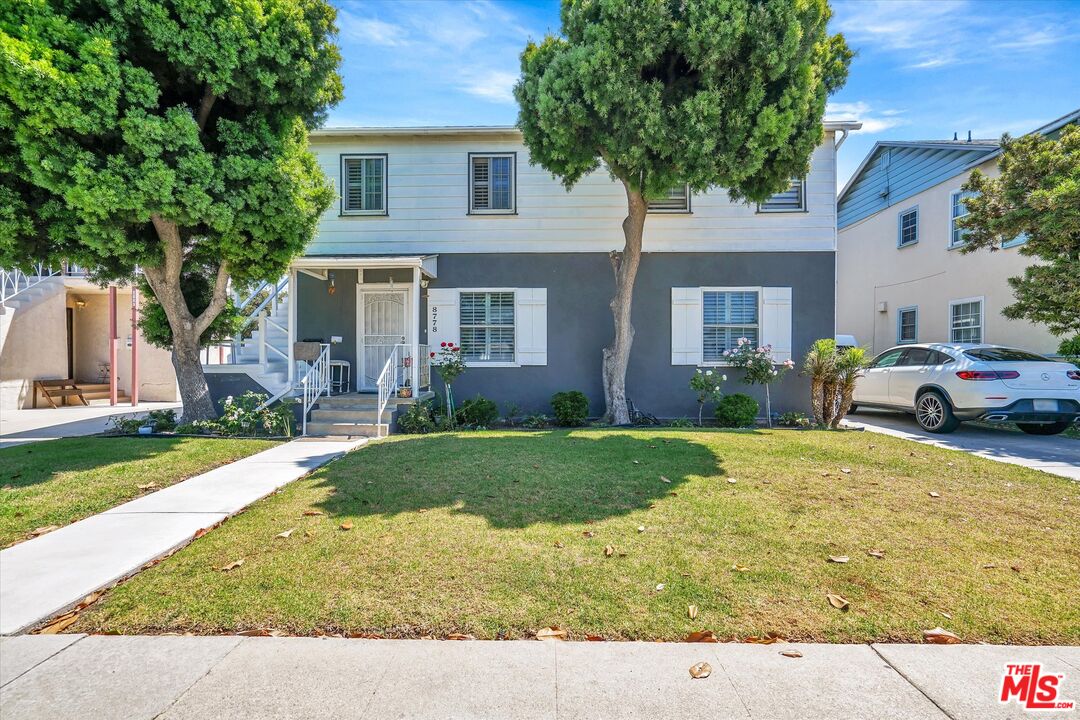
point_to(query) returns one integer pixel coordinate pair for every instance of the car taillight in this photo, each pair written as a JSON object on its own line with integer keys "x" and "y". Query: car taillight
{"x": 987, "y": 374}
{"x": 1073, "y": 374}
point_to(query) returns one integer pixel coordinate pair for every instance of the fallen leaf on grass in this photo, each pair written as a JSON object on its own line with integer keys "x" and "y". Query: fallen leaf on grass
{"x": 608, "y": 551}
{"x": 285, "y": 534}
{"x": 879, "y": 554}
{"x": 700, "y": 671}
{"x": 231, "y": 566}
{"x": 587, "y": 533}
{"x": 846, "y": 471}
{"x": 551, "y": 633}
{"x": 60, "y": 624}
{"x": 838, "y": 558}
{"x": 791, "y": 653}
{"x": 692, "y": 611}
{"x": 934, "y": 494}
{"x": 459, "y": 636}
{"x": 365, "y": 636}
{"x": 989, "y": 566}
{"x": 258, "y": 632}
{"x": 769, "y": 639}
{"x": 147, "y": 486}
{"x": 701, "y": 636}
{"x": 660, "y": 587}
{"x": 309, "y": 533}
{"x": 42, "y": 530}
{"x": 311, "y": 513}
{"x": 838, "y": 602}
{"x": 940, "y": 636}
{"x": 945, "y": 615}
{"x": 732, "y": 481}
{"x": 664, "y": 479}
{"x": 637, "y": 462}
{"x": 559, "y": 545}
{"x": 641, "y": 528}
{"x": 740, "y": 568}
{"x": 347, "y": 525}
{"x": 596, "y": 638}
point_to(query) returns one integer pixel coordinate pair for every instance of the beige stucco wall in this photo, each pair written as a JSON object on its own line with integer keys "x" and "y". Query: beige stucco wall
{"x": 870, "y": 269}
{"x": 33, "y": 346}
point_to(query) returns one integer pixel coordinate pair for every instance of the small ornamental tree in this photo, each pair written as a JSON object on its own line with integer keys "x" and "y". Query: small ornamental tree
{"x": 1037, "y": 197}
{"x": 168, "y": 136}
{"x": 758, "y": 368}
{"x": 663, "y": 93}
{"x": 450, "y": 366}
{"x": 707, "y": 386}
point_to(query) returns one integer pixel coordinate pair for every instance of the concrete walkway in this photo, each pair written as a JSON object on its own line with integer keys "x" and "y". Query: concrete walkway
{"x": 23, "y": 426}
{"x": 174, "y": 678}
{"x": 1053, "y": 454}
{"x": 51, "y": 573}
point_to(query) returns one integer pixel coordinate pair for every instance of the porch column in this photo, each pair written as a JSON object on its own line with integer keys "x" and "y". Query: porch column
{"x": 112, "y": 345}
{"x": 414, "y": 327}
{"x": 294, "y": 301}
{"x": 134, "y": 345}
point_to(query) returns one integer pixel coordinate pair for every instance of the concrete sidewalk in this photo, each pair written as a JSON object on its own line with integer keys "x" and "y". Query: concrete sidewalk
{"x": 51, "y": 573}
{"x": 18, "y": 427}
{"x": 174, "y": 678}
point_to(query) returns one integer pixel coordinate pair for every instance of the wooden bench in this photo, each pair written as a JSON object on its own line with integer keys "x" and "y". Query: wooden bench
{"x": 57, "y": 389}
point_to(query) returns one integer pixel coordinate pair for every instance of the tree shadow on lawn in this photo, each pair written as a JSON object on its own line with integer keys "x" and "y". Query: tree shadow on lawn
{"x": 516, "y": 479}
{"x": 39, "y": 462}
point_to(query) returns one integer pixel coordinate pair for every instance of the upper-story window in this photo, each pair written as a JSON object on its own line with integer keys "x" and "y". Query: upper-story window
{"x": 363, "y": 184}
{"x": 957, "y": 211}
{"x": 907, "y": 227}
{"x": 791, "y": 200}
{"x": 491, "y": 183}
{"x": 677, "y": 200}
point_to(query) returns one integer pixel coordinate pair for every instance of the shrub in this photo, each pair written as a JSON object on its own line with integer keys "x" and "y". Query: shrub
{"x": 192, "y": 428}
{"x": 125, "y": 425}
{"x": 478, "y": 412}
{"x": 513, "y": 410}
{"x": 1069, "y": 349}
{"x": 681, "y": 423}
{"x": 535, "y": 422}
{"x": 793, "y": 418}
{"x": 417, "y": 420}
{"x": 737, "y": 410}
{"x": 571, "y": 408}
{"x": 245, "y": 415}
{"x": 163, "y": 420}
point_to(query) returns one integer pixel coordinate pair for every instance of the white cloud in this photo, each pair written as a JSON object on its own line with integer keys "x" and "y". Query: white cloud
{"x": 370, "y": 30}
{"x": 493, "y": 85}
{"x": 873, "y": 121}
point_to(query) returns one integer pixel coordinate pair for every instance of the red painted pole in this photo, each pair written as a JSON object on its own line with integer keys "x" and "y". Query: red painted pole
{"x": 134, "y": 346}
{"x": 112, "y": 345}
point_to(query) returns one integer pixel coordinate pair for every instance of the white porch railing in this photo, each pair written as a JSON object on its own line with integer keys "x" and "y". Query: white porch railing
{"x": 258, "y": 315}
{"x": 15, "y": 281}
{"x": 315, "y": 383}
{"x": 388, "y": 385}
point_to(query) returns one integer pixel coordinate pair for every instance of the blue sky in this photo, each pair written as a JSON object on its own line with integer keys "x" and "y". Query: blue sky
{"x": 924, "y": 70}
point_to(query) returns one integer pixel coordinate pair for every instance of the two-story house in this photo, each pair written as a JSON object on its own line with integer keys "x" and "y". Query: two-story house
{"x": 901, "y": 277}
{"x": 449, "y": 234}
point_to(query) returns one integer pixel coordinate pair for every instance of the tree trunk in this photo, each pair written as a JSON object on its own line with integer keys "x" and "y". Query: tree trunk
{"x": 194, "y": 393}
{"x": 817, "y": 403}
{"x": 625, "y": 265}
{"x": 768, "y": 407}
{"x": 828, "y": 405}
{"x": 847, "y": 393}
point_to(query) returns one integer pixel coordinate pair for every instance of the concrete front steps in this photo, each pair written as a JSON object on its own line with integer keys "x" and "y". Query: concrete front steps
{"x": 100, "y": 391}
{"x": 356, "y": 415}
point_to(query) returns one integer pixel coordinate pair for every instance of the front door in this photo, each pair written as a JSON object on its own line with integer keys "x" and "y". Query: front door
{"x": 383, "y": 325}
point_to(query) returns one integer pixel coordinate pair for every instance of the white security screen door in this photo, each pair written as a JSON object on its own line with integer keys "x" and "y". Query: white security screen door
{"x": 383, "y": 324}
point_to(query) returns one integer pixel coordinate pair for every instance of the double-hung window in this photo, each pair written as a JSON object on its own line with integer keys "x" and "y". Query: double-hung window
{"x": 965, "y": 321}
{"x": 677, "y": 200}
{"x": 957, "y": 211}
{"x": 363, "y": 185}
{"x": 791, "y": 200}
{"x": 727, "y": 315}
{"x": 491, "y": 184}
{"x": 907, "y": 325}
{"x": 907, "y": 227}
{"x": 487, "y": 326}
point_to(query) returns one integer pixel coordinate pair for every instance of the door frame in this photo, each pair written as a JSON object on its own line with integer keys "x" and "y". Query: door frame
{"x": 361, "y": 290}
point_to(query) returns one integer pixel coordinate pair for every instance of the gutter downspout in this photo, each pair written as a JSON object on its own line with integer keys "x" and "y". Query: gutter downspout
{"x": 843, "y": 137}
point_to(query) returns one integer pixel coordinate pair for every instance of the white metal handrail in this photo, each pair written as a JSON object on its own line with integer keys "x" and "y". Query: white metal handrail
{"x": 15, "y": 281}
{"x": 388, "y": 385}
{"x": 315, "y": 383}
{"x": 260, "y": 315}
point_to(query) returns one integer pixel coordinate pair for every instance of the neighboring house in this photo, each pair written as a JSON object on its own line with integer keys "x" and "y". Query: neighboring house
{"x": 54, "y": 325}
{"x": 449, "y": 234}
{"x": 900, "y": 275}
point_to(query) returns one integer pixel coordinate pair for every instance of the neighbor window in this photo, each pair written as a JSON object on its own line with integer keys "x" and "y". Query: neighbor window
{"x": 487, "y": 326}
{"x": 727, "y": 316}
{"x": 908, "y": 227}
{"x": 676, "y": 201}
{"x": 491, "y": 184}
{"x": 907, "y": 325}
{"x": 363, "y": 184}
{"x": 791, "y": 200}
{"x": 965, "y": 321}
{"x": 958, "y": 210}
{"x": 1018, "y": 240}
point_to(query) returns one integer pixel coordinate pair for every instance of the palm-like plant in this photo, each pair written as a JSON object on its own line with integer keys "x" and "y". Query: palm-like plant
{"x": 848, "y": 364}
{"x": 820, "y": 365}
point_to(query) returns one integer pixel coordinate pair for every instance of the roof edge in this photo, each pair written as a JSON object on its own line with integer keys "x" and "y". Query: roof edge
{"x": 351, "y": 131}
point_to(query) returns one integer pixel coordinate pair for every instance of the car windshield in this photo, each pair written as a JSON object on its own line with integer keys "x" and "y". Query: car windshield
{"x": 1004, "y": 355}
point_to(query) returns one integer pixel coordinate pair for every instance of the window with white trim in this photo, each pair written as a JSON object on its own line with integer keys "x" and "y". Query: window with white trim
{"x": 907, "y": 227}
{"x": 907, "y": 325}
{"x": 363, "y": 184}
{"x": 791, "y": 200}
{"x": 487, "y": 326}
{"x": 957, "y": 211}
{"x": 491, "y": 183}
{"x": 965, "y": 321}
{"x": 676, "y": 201}
{"x": 727, "y": 315}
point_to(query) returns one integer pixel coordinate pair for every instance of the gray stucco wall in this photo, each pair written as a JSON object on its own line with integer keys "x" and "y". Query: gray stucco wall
{"x": 580, "y": 286}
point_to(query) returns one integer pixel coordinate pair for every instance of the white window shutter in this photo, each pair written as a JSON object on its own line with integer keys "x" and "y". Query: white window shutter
{"x": 686, "y": 326}
{"x": 530, "y": 324}
{"x": 443, "y": 320}
{"x": 776, "y": 321}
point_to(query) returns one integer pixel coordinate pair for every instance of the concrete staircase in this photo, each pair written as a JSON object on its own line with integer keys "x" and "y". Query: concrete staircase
{"x": 274, "y": 375}
{"x": 356, "y": 414}
{"x": 100, "y": 391}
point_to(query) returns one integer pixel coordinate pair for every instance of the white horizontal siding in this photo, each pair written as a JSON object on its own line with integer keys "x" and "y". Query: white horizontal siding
{"x": 427, "y": 199}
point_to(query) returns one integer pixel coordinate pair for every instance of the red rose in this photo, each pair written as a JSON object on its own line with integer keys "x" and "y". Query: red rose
{"x": 444, "y": 344}
{"x": 432, "y": 354}
{"x": 457, "y": 349}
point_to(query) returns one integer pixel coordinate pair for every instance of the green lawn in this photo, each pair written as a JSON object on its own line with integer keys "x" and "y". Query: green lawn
{"x": 61, "y": 481}
{"x": 498, "y": 534}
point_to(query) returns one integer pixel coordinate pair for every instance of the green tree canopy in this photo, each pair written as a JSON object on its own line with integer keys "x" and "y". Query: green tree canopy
{"x": 168, "y": 135}
{"x": 727, "y": 93}
{"x": 1037, "y": 196}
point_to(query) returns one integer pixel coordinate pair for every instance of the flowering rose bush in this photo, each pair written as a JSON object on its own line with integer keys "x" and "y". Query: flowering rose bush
{"x": 450, "y": 366}
{"x": 707, "y": 386}
{"x": 758, "y": 366}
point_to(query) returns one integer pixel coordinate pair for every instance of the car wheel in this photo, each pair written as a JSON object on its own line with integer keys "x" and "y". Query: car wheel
{"x": 1044, "y": 428}
{"x": 853, "y": 408}
{"x": 934, "y": 414}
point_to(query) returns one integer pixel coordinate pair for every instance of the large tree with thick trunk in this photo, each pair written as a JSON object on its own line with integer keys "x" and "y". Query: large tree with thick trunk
{"x": 168, "y": 136}
{"x": 727, "y": 93}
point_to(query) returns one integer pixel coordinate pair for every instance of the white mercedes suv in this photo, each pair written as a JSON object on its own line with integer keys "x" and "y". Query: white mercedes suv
{"x": 945, "y": 384}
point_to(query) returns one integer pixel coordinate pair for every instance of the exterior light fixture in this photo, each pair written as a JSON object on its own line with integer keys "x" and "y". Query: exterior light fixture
{"x": 331, "y": 288}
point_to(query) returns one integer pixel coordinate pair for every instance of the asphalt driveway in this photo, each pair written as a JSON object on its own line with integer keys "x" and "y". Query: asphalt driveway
{"x": 1054, "y": 454}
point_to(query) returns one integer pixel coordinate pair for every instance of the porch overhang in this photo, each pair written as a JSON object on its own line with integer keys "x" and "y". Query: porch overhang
{"x": 427, "y": 264}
